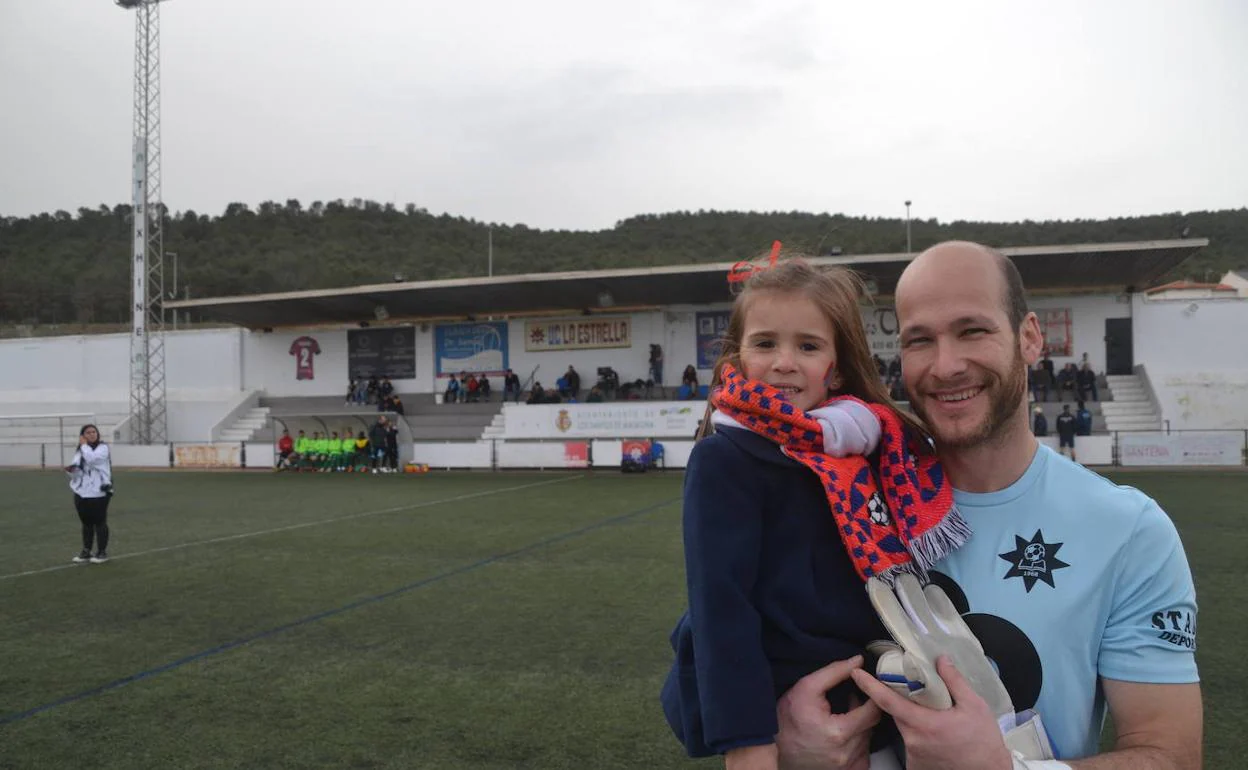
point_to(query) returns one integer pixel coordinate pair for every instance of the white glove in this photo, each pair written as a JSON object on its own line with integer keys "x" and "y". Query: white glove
{"x": 849, "y": 428}
{"x": 926, "y": 625}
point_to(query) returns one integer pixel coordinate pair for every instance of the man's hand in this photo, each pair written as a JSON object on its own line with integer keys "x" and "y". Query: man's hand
{"x": 811, "y": 737}
{"x": 963, "y": 737}
{"x": 751, "y": 758}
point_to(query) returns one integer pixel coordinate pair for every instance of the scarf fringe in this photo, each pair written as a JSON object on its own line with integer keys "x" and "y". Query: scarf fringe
{"x": 932, "y": 546}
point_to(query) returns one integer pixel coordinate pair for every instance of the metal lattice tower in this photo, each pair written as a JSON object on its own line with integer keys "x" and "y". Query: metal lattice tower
{"x": 147, "y": 340}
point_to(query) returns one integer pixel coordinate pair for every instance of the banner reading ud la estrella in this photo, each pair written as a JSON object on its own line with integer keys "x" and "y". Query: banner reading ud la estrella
{"x": 579, "y": 334}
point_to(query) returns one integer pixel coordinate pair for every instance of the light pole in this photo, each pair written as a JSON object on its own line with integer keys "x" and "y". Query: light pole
{"x": 174, "y": 294}
{"x": 148, "y": 418}
{"x": 908, "y": 249}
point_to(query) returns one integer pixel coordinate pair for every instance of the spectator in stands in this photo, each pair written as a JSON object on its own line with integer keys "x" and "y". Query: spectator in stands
{"x": 1040, "y": 381}
{"x": 373, "y": 388}
{"x": 471, "y": 388}
{"x": 573, "y": 380}
{"x": 483, "y": 387}
{"x": 386, "y": 388}
{"x": 396, "y": 404}
{"x": 894, "y": 369}
{"x": 1040, "y": 424}
{"x": 352, "y": 387}
{"x": 1047, "y": 364}
{"x": 377, "y": 441}
{"x": 595, "y": 396}
{"x": 91, "y": 480}
{"x": 511, "y": 386}
{"x": 656, "y": 365}
{"x": 452, "y": 390}
{"x": 689, "y": 382}
{"x": 285, "y": 449}
{"x": 1066, "y": 431}
{"x": 1086, "y": 380}
{"x": 1083, "y": 420}
{"x": 537, "y": 395}
{"x": 359, "y": 459}
{"x": 897, "y": 391}
{"x": 1066, "y": 382}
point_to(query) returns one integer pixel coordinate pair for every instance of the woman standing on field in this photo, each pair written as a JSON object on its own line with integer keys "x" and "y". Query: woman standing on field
{"x": 91, "y": 479}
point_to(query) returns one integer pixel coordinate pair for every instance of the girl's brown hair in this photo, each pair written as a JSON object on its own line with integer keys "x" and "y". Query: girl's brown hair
{"x": 836, "y": 292}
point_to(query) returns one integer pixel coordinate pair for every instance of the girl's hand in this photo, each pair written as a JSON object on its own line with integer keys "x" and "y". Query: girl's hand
{"x": 82, "y": 440}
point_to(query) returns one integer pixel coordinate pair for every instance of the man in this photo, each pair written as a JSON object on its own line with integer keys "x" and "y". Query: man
{"x": 1078, "y": 589}
{"x": 1083, "y": 420}
{"x": 1066, "y": 432}
{"x": 511, "y": 386}
{"x": 1085, "y": 378}
{"x": 1040, "y": 423}
{"x": 285, "y": 449}
{"x": 377, "y": 441}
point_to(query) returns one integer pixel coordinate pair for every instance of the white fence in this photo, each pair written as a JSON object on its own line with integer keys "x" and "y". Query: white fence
{"x": 1155, "y": 448}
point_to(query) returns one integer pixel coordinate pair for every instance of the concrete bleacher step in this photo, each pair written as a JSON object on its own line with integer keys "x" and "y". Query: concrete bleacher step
{"x": 245, "y": 427}
{"x": 1124, "y": 408}
{"x": 1136, "y": 423}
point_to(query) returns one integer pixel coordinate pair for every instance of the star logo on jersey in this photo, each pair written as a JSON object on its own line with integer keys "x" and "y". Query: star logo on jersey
{"x": 1033, "y": 560}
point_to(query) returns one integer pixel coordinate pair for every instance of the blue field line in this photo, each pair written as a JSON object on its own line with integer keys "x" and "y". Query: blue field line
{"x": 21, "y": 715}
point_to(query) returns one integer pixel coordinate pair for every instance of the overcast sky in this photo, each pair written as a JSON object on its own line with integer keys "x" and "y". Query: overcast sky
{"x": 578, "y": 113}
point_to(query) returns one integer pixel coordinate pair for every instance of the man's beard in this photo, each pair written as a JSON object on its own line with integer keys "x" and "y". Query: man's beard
{"x": 1005, "y": 399}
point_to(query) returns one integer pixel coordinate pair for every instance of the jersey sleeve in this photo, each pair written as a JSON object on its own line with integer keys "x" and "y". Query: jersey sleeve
{"x": 723, "y": 509}
{"x": 1150, "y": 636}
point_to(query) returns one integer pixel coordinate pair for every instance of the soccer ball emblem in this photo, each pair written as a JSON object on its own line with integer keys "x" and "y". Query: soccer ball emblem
{"x": 877, "y": 509}
{"x": 1034, "y": 552}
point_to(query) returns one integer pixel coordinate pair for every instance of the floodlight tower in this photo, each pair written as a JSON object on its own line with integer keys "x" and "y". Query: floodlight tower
{"x": 147, "y": 338}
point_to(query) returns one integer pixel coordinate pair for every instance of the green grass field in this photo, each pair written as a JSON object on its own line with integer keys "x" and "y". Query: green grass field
{"x": 440, "y": 621}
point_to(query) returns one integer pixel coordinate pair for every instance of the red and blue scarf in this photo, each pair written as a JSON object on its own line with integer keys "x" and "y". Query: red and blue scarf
{"x": 894, "y": 509}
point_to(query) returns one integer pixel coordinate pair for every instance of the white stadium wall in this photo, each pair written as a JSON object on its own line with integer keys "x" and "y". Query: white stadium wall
{"x": 1088, "y": 314}
{"x": 1197, "y": 363}
{"x": 1196, "y": 357}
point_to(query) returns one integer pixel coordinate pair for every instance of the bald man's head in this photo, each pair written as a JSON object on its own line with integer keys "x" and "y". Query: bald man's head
{"x": 947, "y": 259}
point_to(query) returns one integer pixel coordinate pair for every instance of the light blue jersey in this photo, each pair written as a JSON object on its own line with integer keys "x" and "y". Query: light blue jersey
{"x": 1067, "y": 578}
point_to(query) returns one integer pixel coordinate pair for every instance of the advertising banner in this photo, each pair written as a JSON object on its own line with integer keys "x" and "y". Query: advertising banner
{"x": 578, "y": 334}
{"x": 880, "y": 323}
{"x": 471, "y": 347}
{"x": 648, "y": 419}
{"x": 1212, "y": 448}
{"x": 207, "y": 456}
{"x": 711, "y": 325}
{"x": 576, "y": 454}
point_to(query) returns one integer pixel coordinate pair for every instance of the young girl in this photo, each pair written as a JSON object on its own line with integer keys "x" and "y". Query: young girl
{"x": 91, "y": 479}
{"x": 806, "y": 479}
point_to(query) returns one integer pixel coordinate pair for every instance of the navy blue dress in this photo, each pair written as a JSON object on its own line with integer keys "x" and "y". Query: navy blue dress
{"x": 773, "y": 595}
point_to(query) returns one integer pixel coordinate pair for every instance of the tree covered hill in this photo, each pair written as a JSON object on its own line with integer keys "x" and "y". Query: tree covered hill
{"x": 74, "y": 268}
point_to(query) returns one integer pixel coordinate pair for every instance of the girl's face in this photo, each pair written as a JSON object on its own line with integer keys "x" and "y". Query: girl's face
{"x": 790, "y": 345}
{"x": 91, "y": 435}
